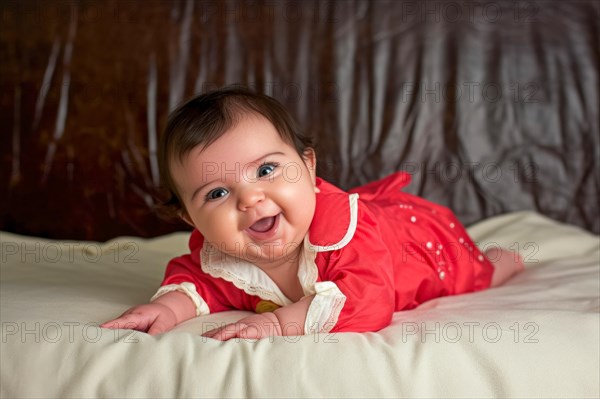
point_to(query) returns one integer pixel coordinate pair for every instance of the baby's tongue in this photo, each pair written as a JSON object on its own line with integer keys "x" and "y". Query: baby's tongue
{"x": 263, "y": 224}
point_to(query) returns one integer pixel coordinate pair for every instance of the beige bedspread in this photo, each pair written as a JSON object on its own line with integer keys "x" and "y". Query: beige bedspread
{"x": 536, "y": 336}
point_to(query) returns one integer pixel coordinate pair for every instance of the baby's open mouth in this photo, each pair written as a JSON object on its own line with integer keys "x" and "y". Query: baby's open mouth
{"x": 264, "y": 224}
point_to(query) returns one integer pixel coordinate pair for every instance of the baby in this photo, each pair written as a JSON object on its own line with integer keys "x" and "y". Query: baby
{"x": 273, "y": 238}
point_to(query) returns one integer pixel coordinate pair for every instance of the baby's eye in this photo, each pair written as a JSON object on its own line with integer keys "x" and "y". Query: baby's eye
{"x": 216, "y": 194}
{"x": 266, "y": 169}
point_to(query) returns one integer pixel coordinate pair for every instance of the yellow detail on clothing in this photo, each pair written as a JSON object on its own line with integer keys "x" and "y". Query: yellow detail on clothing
{"x": 266, "y": 306}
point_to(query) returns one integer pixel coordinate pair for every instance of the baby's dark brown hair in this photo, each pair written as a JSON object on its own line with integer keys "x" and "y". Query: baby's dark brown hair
{"x": 203, "y": 119}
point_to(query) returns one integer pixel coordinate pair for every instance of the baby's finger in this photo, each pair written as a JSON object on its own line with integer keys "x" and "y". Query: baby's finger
{"x": 108, "y": 324}
{"x": 211, "y": 333}
{"x": 227, "y": 332}
{"x": 121, "y": 317}
{"x": 250, "y": 332}
{"x": 217, "y": 333}
{"x": 126, "y": 322}
{"x": 115, "y": 323}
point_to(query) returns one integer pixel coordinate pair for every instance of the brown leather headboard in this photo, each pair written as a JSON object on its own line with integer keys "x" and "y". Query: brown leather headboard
{"x": 493, "y": 106}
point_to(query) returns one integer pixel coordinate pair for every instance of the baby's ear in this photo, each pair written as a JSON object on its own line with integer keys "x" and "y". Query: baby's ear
{"x": 310, "y": 160}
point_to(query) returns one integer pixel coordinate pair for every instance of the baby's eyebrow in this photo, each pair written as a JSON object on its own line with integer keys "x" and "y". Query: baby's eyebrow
{"x": 266, "y": 156}
{"x": 255, "y": 161}
{"x": 200, "y": 189}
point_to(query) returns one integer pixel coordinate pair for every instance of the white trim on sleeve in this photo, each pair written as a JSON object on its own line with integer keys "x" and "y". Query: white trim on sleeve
{"x": 325, "y": 308}
{"x": 188, "y": 289}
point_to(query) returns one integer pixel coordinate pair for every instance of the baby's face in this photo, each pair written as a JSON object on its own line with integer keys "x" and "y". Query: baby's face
{"x": 249, "y": 193}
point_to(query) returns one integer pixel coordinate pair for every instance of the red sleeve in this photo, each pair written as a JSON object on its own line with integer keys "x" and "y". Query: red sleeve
{"x": 217, "y": 293}
{"x": 363, "y": 272}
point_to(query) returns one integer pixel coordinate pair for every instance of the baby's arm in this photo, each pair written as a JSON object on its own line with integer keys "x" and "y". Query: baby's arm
{"x": 288, "y": 320}
{"x": 156, "y": 317}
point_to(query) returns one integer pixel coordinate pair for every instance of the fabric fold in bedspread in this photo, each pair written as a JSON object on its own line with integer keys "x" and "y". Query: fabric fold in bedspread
{"x": 536, "y": 336}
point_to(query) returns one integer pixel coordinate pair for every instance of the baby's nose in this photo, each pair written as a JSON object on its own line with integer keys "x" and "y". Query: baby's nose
{"x": 249, "y": 197}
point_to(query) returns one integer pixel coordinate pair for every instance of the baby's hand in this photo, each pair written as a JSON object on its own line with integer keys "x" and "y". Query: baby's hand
{"x": 252, "y": 327}
{"x": 153, "y": 318}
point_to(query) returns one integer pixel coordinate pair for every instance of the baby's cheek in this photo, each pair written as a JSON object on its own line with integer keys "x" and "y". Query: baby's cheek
{"x": 300, "y": 192}
{"x": 217, "y": 226}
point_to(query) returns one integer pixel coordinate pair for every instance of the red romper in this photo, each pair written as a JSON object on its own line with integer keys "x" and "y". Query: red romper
{"x": 368, "y": 253}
